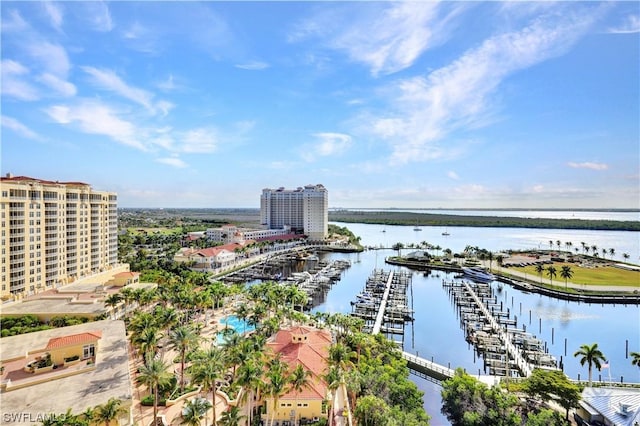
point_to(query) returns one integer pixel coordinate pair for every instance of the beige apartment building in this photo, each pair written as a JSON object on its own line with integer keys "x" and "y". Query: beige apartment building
{"x": 305, "y": 209}
{"x": 53, "y": 233}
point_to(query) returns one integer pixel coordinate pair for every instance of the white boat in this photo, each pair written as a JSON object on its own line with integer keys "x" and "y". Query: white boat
{"x": 478, "y": 274}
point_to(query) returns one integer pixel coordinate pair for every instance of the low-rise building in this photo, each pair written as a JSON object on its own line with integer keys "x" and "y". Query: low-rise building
{"x": 308, "y": 347}
{"x": 610, "y": 406}
{"x": 46, "y": 373}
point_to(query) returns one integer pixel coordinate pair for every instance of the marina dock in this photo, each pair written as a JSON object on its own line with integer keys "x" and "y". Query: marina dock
{"x": 384, "y": 303}
{"x": 505, "y": 348}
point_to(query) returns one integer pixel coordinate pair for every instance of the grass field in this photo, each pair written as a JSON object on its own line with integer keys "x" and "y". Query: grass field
{"x": 149, "y": 231}
{"x": 601, "y": 275}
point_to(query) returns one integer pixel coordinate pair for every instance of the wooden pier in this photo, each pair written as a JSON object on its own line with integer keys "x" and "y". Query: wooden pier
{"x": 494, "y": 334}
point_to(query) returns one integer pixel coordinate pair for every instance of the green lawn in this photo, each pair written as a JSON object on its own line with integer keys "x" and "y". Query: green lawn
{"x": 601, "y": 275}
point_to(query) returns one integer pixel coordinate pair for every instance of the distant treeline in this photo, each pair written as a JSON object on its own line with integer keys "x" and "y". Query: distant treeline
{"x": 430, "y": 219}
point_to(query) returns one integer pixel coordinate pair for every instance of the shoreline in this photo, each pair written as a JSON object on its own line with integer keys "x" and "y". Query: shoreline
{"x": 612, "y": 295}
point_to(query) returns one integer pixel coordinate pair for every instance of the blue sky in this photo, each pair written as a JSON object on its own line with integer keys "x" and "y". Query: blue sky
{"x": 415, "y": 105}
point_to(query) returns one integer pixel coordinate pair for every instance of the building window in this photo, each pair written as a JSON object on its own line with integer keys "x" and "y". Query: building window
{"x": 88, "y": 351}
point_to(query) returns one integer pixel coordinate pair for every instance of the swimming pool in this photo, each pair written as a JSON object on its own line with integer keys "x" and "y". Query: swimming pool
{"x": 233, "y": 322}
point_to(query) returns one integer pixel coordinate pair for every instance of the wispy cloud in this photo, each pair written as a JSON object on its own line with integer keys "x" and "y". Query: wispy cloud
{"x": 203, "y": 140}
{"x": 109, "y": 80}
{"x": 13, "y": 81}
{"x": 426, "y": 109}
{"x": 173, "y": 162}
{"x": 253, "y": 65}
{"x": 453, "y": 175}
{"x": 588, "y": 165}
{"x": 99, "y": 15}
{"x": 18, "y": 127}
{"x": 630, "y": 25}
{"x": 326, "y": 144}
{"x": 99, "y": 119}
{"x": 52, "y": 57}
{"x": 59, "y": 85}
{"x": 55, "y": 14}
{"x": 387, "y": 37}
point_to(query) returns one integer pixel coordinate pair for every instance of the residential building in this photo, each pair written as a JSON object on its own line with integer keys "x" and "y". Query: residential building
{"x": 46, "y": 373}
{"x": 53, "y": 233}
{"x": 308, "y": 347}
{"x": 609, "y": 406}
{"x": 305, "y": 210}
{"x": 232, "y": 234}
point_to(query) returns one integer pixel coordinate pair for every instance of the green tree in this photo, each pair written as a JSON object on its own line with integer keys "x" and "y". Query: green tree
{"x": 231, "y": 417}
{"x": 299, "y": 379}
{"x": 109, "y": 411}
{"x": 590, "y": 355}
{"x": 566, "y": 273}
{"x": 551, "y": 273}
{"x": 183, "y": 339}
{"x": 194, "y": 411}
{"x": 540, "y": 270}
{"x": 207, "y": 369}
{"x": 544, "y": 417}
{"x": 277, "y": 382}
{"x": 154, "y": 373}
{"x": 553, "y": 385}
{"x": 467, "y": 402}
{"x": 371, "y": 410}
{"x": 635, "y": 358}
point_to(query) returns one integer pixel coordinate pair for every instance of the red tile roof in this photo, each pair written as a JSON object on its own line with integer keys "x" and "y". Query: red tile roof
{"x": 127, "y": 274}
{"x": 311, "y": 353}
{"x": 73, "y": 340}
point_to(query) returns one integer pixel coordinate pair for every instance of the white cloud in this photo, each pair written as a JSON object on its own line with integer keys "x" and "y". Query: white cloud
{"x": 173, "y": 162}
{"x": 14, "y": 23}
{"x": 96, "y": 118}
{"x": 202, "y": 140}
{"x": 326, "y": 144}
{"x": 253, "y": 65}
{"x": 61, "y": 86}
{"x": 387, "y": 37}
{"x": 54, "y": 13}
{"x": 631, "y": 25}
{"x": 18, "y": 127}
{"x": 459, "y": 95}
{"x": 13, "y": 83}
{"x": 109, "y": 80}
{"x": 453, "y": 175}
{"x": 99, "y": 16}
{"x": 52, "y": 57}
{"x": 588, "y": 165}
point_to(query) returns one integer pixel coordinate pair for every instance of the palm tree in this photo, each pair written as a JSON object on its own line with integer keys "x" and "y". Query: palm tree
{"x": 551, "y": 272}
{"x": 635, "y": 358}
{"x": 183, "y": 339}
{"x": 540, "y": 270}
{"x": 249, "y": 376}
{"x": 231, "y": 417}
{"x": 591, "y": 355}
{"x": 146, "y": 342}
{"x": 277, "y": 382}
{"x": 566, "y": 273}
{"x": 112, "y": 301}
{"x": 612, "y": 252}
{"x": 194, "y": 411}
{"x": 299, "y": 380}
{"x": 207, "y": 369}
{"x": 154, "y": 373}
{"x": 109, "y": 411}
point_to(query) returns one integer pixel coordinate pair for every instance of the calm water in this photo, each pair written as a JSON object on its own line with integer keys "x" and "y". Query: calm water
{"x": 436, "y": 331}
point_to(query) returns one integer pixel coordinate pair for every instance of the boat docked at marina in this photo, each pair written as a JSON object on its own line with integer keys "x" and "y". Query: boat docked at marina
{"x": 476, "y": 273}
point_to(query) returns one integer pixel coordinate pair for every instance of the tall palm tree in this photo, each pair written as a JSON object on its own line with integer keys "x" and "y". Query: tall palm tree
{"x": 612, "y": 252}
{"x": 591, "y": 355}
{"x": 154, "y": 373}
{"x": 146, "y": 342}
{"x": 540, "y": 270}
{"x": 112, "y": 301}
{"x": 551, "y": 272}
{"x": 194, "y": 411}
{"x": 277, "y": 382}
{"x": 635, "y": 358}
{"x": 183, "y": 339}
{"x": 206, "y": 370}
{"x": 249, "y": 376}
{"x": 299, "y": 379}
{"x": 109, "y": 411}
{"x": 566, "y": 273}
